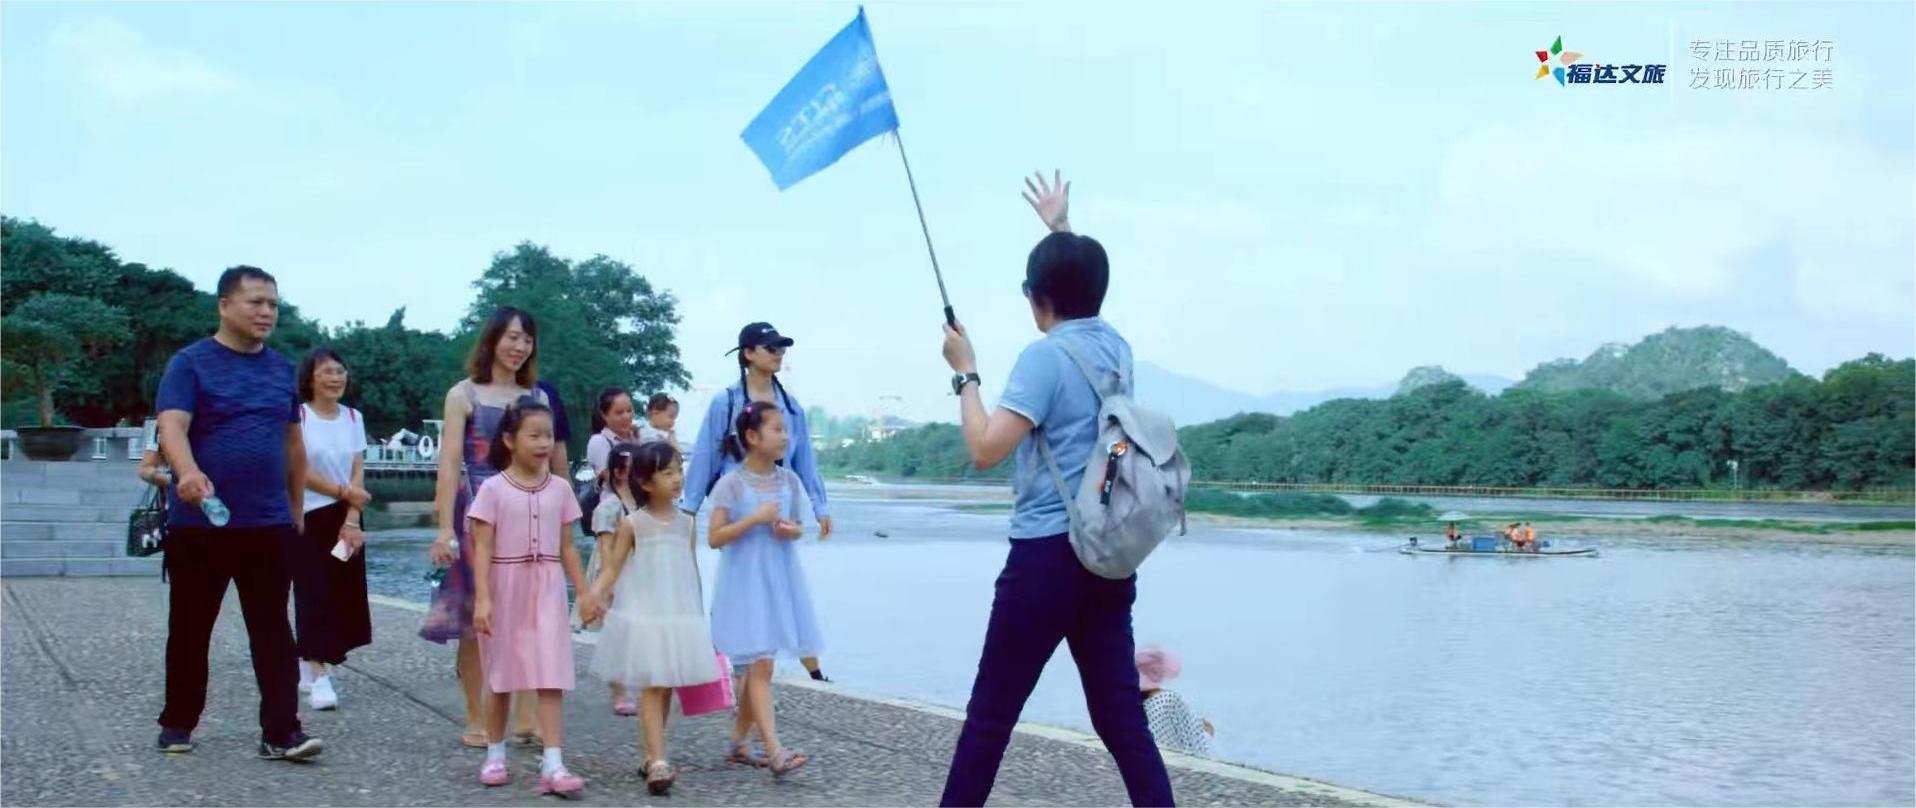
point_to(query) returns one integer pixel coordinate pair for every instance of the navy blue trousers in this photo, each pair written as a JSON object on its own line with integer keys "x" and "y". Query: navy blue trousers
{"x": 1045, "y": 596}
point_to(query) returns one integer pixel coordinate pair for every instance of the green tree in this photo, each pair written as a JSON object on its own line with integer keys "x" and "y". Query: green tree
{"x": 398, "y": 374}
{"x": 39, "y": 260}
{"x": 600, "y": 325}
{"x": 47, "y": 337}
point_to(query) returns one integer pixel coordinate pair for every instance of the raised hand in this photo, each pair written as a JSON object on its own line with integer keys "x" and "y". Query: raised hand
{"x": 1052, "y": 200}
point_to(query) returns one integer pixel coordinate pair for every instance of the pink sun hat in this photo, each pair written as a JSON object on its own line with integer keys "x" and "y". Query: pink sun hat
{"x": 1157, "y": 666}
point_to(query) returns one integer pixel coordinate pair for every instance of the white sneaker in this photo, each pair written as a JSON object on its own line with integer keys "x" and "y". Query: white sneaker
{"x": 305, "y": 678}
{"x": 323, "y": 696}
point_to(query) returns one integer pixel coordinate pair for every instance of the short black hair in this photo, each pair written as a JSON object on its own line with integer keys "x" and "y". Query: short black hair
{"x": 660, "y": 402}
{"x": 310, "y": 365}
{"x": 1069, "y": 273}
{"x": 231, "y": 279}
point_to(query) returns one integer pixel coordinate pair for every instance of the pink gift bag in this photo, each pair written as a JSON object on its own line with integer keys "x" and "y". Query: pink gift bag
{"x": 710, "y": 697}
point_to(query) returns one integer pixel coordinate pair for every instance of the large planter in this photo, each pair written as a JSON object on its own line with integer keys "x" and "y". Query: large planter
{"x": 50, "y": 442}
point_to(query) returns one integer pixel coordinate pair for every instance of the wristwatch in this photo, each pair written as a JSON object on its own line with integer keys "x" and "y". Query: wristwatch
{"x": 959, "y": 381}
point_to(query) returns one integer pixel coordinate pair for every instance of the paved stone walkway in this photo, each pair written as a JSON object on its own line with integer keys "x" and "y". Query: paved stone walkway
{"x": 81, "y": 681}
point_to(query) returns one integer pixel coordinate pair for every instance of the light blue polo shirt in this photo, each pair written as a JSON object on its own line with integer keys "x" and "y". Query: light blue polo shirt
{"x": 1050, "y": 392}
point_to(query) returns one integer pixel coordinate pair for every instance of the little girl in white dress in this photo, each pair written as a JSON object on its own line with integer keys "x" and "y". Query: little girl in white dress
{"x": 655, "y": 636}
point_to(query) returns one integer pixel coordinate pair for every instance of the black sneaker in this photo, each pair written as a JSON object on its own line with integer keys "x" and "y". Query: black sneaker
{"x": 176, "y": 741}
{"x": 819, "y": 676}
{"x": 294, "y": 747}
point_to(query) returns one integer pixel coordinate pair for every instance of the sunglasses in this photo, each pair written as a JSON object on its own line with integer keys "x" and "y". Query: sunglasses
{"x": 775, "y": 350}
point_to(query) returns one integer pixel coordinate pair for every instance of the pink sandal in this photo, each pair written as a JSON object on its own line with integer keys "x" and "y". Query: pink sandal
{"x": 625, "y": 707}
{"x": 563, "y": 783}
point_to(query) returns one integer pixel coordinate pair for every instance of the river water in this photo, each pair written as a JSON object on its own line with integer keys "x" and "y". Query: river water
{"x": 1662, "y": 672}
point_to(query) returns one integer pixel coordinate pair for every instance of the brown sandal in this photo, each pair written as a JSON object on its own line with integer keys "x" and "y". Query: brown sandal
{"x": 473, "y": 737}
{"x": 787, "y": 760}
{"x": 743, "y": 755}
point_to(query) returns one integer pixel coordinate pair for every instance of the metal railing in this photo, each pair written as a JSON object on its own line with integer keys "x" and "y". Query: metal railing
{"x": 1875, "y": 496}
{"x": 422, "y": 456}
{"x": 1893, "y": 496}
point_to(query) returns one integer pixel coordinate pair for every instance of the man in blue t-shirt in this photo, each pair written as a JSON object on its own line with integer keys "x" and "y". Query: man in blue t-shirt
{"x": 1044, "y": 596}
{"x": 229, "y": 426}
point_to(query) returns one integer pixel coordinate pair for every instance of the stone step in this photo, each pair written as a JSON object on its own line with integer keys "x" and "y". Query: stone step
{"x": 52, "y": 495}
{"x": 60, "y": 549}
{"x": 66, "y": 514}
{"x": 26, "y": 472}
{"x": 11, "y": 531}
{"x": 12, "y": 567}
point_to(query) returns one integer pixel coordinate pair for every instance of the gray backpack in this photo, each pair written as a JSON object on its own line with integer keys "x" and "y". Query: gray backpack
{"x": 1133, "y": 489}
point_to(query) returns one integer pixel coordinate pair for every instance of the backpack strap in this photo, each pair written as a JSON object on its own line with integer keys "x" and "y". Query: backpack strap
{"x": 1044, "y": 442}
{"x": 1121, "y": 385}
{"x": 1057, "y": 478}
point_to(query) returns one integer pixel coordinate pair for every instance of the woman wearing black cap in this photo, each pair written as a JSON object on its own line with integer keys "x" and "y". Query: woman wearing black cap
{"x": 761, "y": 355}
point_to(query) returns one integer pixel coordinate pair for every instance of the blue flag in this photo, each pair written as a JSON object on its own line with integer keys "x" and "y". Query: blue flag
{"x": 836, "y": 102}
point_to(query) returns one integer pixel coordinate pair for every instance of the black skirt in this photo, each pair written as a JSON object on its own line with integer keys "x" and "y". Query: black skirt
{"x": 329, "y": 596}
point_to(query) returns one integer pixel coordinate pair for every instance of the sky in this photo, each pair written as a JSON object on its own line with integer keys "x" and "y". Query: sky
{"x": 1294, "y": 196}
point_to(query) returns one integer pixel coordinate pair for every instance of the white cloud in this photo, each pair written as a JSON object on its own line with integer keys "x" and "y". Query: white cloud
{"x": 118, "y": 62}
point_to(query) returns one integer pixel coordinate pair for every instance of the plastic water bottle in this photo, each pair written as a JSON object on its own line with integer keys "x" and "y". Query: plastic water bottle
{"x": 437, "y": 575}
{"x": 215, "y": 510}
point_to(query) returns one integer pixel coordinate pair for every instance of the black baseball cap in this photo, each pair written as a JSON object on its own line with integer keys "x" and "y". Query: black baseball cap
{"x": 760, "y": 334}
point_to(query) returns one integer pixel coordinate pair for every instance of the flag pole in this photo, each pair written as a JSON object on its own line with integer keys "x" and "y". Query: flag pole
{"x": 951, "y": 319}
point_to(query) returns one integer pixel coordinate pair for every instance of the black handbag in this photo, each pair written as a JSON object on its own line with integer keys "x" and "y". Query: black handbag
{"x": 146, "y": 526}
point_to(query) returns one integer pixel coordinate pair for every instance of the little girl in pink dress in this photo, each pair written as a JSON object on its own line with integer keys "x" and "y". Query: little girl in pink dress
{"x": 522, "y": 555}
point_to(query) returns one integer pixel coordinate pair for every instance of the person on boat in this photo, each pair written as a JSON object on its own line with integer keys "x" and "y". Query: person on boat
{"x": 1451, "y": 536}
{"x": 1523, "y": 540}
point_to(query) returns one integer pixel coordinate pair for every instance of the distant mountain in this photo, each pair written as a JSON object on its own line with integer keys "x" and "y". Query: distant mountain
{"x": 1673, "y": 361}
{"x": 1435, "y": 374}
{"x": 1190, "y": 400}
{"x": 1424, "y": 377}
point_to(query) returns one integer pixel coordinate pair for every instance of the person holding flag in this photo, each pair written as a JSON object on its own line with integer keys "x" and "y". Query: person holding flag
{"x": 1045, "y": 595}
{"x": 838, "y": 101}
